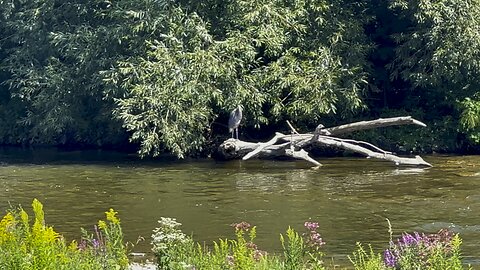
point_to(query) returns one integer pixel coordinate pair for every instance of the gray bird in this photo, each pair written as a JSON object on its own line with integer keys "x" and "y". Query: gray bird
{"x": 234, "y": 120}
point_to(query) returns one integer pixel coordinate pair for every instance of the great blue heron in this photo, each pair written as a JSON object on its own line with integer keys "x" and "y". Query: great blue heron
{"x": 234, "y": 120}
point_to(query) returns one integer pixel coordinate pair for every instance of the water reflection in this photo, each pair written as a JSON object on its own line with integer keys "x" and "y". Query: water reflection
{"x": 350, "y": 198}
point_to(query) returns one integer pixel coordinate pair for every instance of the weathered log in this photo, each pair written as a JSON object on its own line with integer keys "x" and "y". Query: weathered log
{"x": 291, "y": 145}
{"x": 261, "y": 146}
{"x": 233, "y": 148}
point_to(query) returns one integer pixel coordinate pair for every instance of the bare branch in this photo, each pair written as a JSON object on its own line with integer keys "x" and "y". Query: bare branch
{"x": 365, "y": 143}
{"x": 302, "y": 154}
{"x": 382, "y": 122}
{"x": 417, "y": 161}
{"x": 262, "y": 146}
{"x": 292, "y": 128}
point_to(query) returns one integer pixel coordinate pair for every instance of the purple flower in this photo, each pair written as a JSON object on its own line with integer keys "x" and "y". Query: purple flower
{"x": 389, "y": 258}
{"x": 83, "y": 245}
{"x": 251, "y": 245}
{"x": 311, "y": 226}
{"x": 95, "y": 243}
{"x": 409, "y": 240}
{"x": 242, "y": 226}
{"x": 316, "y": 240}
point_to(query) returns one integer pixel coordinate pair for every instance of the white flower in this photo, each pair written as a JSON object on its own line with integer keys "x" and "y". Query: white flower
{"x": 167, "y": 235}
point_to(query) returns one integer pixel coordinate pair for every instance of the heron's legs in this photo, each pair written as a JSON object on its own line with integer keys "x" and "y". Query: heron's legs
{"x": 236, "y": 130}
{"x": 232, "y": 133}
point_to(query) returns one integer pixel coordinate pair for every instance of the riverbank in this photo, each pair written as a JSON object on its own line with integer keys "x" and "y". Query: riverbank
{"x": 349, "y": 197}
{"x": 30, "y": 244}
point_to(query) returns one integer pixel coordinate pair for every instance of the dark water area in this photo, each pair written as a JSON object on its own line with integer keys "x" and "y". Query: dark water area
{"x": 350, "y": 198}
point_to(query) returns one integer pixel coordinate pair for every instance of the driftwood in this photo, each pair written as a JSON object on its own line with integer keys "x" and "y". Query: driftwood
{"x": 291, "y": 145}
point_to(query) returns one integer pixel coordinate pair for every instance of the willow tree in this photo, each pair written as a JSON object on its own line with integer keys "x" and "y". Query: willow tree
{"x": 54, "y": 52}
{"x": 163, "y": 71}
{"x": 439, "y": 54}
{"x": 298, "y": 60}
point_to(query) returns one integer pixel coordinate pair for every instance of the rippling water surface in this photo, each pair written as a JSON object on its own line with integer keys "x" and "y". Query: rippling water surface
{"x": 351, "y": 198}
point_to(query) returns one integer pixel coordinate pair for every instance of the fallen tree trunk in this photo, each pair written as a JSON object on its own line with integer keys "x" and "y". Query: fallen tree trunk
{"x": 291, "y": 145}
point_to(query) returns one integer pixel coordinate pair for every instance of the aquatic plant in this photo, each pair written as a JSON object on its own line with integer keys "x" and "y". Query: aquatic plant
{"x": 29, "y": 246}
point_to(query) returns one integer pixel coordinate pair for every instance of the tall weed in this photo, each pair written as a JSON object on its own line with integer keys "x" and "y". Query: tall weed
{"x": 31, "y": 246}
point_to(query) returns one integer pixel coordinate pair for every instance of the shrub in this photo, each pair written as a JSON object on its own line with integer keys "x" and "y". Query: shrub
{"x": 421, "y": 251}
{"x": 174, "y": 250}
{"x": 37, "y": 246}
{"x": 414, "y": 251}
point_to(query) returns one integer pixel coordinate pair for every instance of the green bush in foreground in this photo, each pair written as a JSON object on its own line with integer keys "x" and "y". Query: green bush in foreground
{"x": 28, "y": 246}
{"x": 174, "y": 250}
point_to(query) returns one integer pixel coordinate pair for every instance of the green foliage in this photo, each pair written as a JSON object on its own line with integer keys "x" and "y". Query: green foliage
{"x": 37, "y": 246}
{"x": 165, "y": 74}
{"x": 54, "y": 52}
{"x": 366, "y": 259}
{"x": 470, "y": 118}
{"x": 174, "y": 250}
{"x": 438, "y": 54}
{"x": 293, "y": 249}
{"x": 166, "y": 70}
{"x": 170, "y": 244}
{"x": 271, "y": 58}
{"x": 443, "y": 46}
{"x": 420, "y": 251}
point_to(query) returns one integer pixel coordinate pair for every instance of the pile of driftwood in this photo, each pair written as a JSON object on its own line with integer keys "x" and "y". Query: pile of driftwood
{"x": 291, "y": 145}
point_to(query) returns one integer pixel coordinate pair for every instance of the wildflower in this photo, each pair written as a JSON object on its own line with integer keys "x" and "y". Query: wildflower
{"x": 389, "y": 258}
{"x": 230, "y": 260}
{"x": 167, "y": 235}
{"x": 259, "y": 254}
{"x": 311, "y": 226}
{"x": 251, "y": 245}
{"x": 313, "y": 238}
{"x": 95, "y": 243}
{"x": 408, "y": 239}
{"x": 169, "y": 222}
{"x": 243, "y": 226}
{"x": 83, "y": 245}
{"x": 111, "y": 216}
{"x": 418, "y": 246}
{"x": 102, "y": 225}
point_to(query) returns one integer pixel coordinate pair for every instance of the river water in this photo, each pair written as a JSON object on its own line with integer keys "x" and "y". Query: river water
{"x": 350, "y": 198}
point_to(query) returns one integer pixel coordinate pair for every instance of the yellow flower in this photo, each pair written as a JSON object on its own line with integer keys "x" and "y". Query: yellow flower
{"x": 102, "y": 225}
{"x": 73, "y": 246}
{"x": 111, "y": 216}
{"x": 5, "y": 228}
{"x": 7, "y": 220}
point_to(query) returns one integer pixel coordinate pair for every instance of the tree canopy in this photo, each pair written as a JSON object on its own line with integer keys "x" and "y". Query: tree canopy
{"x": 165, "y": 74}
